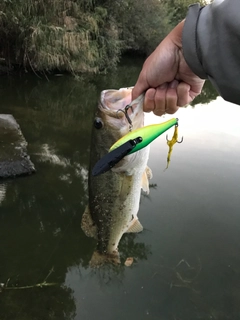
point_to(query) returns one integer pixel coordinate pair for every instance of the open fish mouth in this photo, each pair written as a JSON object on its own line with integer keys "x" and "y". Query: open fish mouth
{"x": 118, "y": 104}
{"x": 116, "y": 99}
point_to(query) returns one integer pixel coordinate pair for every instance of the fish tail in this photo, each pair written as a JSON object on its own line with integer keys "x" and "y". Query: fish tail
{"x": 99, "y": 259}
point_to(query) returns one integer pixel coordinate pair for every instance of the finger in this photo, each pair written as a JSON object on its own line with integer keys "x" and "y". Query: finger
{"x": 140, "y": 86}
{"x": 160, "y": 100}
{"x": 149, "y": 103}
{"x": 171, "y": 97}
{"x": 183, "y": 94}
{"x": 196, "y": 89}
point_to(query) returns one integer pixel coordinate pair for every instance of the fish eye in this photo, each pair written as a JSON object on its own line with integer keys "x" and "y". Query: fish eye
{"x": 98, "y": 124}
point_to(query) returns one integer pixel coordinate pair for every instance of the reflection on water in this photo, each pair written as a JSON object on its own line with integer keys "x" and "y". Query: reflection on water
{"x": 186, "y": 261}
{"x": 46, "y": 154}
{"x": 3, "y": 188}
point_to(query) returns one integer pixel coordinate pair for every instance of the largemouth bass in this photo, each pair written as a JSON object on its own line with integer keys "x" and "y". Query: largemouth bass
{"x": 114, "y": 196}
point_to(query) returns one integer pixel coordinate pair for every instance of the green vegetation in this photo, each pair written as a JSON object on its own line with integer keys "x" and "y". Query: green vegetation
{"x": 82, "y": 35}
{"x": 177, "y": 9}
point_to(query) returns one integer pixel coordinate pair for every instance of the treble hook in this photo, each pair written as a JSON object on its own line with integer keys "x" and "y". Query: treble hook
{"x": 125, "y": 111}
{"x": 173, "y": 138}
{"x": 128, "y": 106}
{"x": 171, "y": 143}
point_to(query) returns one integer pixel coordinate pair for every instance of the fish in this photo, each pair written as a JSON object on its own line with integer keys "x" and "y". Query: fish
{"x": 114, "y": 196}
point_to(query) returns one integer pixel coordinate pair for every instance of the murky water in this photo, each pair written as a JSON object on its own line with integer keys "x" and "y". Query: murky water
{"x": 186, "y": 261}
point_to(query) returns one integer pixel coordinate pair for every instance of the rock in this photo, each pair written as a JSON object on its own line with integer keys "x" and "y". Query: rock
{"x": 14, "y": 160}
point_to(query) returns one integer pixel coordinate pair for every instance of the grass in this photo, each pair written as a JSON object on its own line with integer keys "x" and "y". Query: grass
{"x": 56, "y": 35}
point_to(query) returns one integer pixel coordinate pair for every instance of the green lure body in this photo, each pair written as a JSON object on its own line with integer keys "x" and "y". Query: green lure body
{"x": 148, "y": 134}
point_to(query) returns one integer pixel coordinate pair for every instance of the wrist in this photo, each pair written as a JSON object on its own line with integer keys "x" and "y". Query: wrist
{"x": 176, "y": 34}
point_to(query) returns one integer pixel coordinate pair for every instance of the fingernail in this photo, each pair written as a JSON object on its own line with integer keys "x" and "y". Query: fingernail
{"x": 173, "y": 84}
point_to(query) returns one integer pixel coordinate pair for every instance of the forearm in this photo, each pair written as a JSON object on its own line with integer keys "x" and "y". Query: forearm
{"x": 211, "y": 45}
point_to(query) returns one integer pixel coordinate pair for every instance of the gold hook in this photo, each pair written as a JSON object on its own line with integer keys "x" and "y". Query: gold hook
{"x": 171, "y": 143}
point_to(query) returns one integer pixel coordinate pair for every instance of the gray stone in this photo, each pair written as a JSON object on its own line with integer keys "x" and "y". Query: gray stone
{"x": 14, "y": 160}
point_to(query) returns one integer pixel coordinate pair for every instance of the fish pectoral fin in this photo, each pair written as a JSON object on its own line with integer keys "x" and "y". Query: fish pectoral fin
{"x": 135, "y": 226}
{"x": 87, "y": 224}
{"x": 147, "y": 174}
{"x": 145, "y": 182}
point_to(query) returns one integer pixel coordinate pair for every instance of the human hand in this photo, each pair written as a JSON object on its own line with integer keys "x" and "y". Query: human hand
{"x": 167, "y": 79}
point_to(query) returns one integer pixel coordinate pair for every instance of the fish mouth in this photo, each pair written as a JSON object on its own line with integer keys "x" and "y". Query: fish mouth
{"x": 115, "y": 100}
{"x": 114, "y": 103}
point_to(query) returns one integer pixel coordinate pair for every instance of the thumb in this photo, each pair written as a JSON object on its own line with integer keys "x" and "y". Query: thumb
{"x": 140, "y": 87}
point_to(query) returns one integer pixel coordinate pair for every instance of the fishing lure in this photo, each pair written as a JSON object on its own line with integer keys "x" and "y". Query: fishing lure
{"x": 130, "y": 143}
{"x": 113, "y": 157}
{"x": 148, "y": 134}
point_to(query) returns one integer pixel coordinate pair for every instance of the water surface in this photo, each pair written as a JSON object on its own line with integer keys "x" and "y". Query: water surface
{"x": 186, "y": 261}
